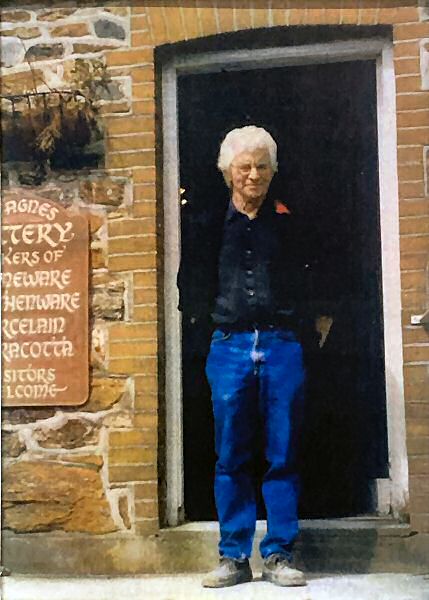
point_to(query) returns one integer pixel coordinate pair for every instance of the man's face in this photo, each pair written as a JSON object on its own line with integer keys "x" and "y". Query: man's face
{"x": 251, "y": 174}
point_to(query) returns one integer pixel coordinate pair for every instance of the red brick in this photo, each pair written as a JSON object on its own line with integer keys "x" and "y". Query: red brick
{"x": 132, "y": 455}
{"x": 403, "y": 49}
{"x": 132, "y": 245}
{"x": 143, "y": 74}
{"x": 144, "y": 192}
{"x": 123, "y": 125}
{"x": 408, "y": 83}
{"x": 417, "y": 260}
{"x": 146, "y": 402}
{"x": 126, "y": 438}
{"x": 173, "y": 20}
{"x": 415, "y": 300}
{"x": 146, "y": 509}
{"x": 146, "y": 420}
{"x": 413, "y": 208}
{"x": 207, "y": 19}
{"x": 418, "y": 135}
{"x": 141, "y": 39}
{"x": 120, "y": 58}
{"x": 132, "y": 262}
{"x": 143, "y": 107}
{"x": 146, "y": 313}
{"x": 158, "y": 25}
{"x": 144, "y": 175}
{"x": 414, "y": 225}
{"x": 416, "y": 118}
{"x": 410, "y": 154}
{"x": 414, "y": 243}
{"x": 418, "y": 428}
{"x": 146, "y": 279}
{"x": 145, "y": 296}
{"x": 414, "y": 280}
{"x": 411, "y": 172}
{"x": 225, "y": 17}
{"x": 145, "y": 491}
{"x": 126, "y": 227}
{"x": 418, "y": 446}
{"x": 143, "y": 141}
{"x": 417, "y": 392}
{"x": 405, "y": 14}
{"x": 133, "y": 365}
{"x": 416, "y": 354}
{"x": 243, "y": 18}
{"x": 132, "y": 473}
{"x": 190, "y": 21}
{"x": 415, "y": 101}
{"x": 133, "y": 349}
{"x": 146, "y": 384}
{"x": 411, "y": 31}
{"x": 407, "y": 66}
{"x": 411, "y": 189}
{"x": 132, "y": 331}
{"x": 144, "y": 209}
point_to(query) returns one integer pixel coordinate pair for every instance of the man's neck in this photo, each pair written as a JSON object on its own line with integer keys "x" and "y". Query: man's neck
{"x": 247, "y": 207}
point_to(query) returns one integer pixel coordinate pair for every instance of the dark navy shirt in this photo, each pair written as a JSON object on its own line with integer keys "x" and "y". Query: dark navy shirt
{"x": 253, "y": 283}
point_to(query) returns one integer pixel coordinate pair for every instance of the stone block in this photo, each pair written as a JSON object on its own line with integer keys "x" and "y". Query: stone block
{"x": 118, "y": 11}
{"x": 105, "y": 28}
{"x": 12, "y": 51}
{"x": 44, "y": 52}
{"x": 24, "y": 33}
{"x": 22, "y": 416}
{"x": 98, "y": 257}
{"x": 15, "y": 16}
{"x": 11, "y": 445}
{"x": 103, "y": 191}
{"x": 124, "y": 511}
{"x": 71, "y": 30}
{"x": 108, "y": 300}
{"x": 82, "y": 48}
{"x": 105, "y": 393}
{"x": 75, "y": 433}
{"x": 19, "y": 83}
{"x": 55, "y": 14}
{"x": 44, "y": 496}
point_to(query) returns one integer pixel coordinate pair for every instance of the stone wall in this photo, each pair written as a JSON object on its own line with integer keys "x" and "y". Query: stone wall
{"x": 90, "y": 469}
{"x": 95, "y": 469}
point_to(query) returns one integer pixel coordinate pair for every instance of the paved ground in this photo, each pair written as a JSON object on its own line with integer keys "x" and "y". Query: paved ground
{"x": 187, "y": 587}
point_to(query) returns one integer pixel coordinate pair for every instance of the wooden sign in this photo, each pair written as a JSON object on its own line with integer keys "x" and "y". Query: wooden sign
{"x": 45, "y": 303}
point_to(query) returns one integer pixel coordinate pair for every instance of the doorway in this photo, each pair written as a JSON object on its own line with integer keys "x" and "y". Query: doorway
{"x": 324, "y": 118}
{"x": 370, "y": 296}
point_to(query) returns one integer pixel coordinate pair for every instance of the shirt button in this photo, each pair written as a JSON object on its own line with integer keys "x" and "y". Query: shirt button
{"x": 251, "y": 292}
{"x": 248, "y": 229}
{"x": 248, "y": 252}
{"x": 249, "y": 272}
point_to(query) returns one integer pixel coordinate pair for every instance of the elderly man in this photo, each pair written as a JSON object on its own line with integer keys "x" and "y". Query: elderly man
{"x": 258, "y": 291}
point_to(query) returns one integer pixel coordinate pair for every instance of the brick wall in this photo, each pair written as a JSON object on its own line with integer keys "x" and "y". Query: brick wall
{"x": 52, "y": 39}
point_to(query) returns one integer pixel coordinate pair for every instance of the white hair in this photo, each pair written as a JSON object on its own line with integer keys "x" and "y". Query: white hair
{"x": 245, "y": 139}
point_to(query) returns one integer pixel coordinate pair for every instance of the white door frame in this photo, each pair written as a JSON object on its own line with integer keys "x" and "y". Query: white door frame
{"x": 380, "y": 50}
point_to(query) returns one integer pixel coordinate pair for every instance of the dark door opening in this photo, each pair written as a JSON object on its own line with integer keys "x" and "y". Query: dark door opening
{"x": 324, "y": 120}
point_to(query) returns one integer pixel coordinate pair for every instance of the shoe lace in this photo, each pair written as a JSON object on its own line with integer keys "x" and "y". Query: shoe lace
{"x": 277, "y": 559}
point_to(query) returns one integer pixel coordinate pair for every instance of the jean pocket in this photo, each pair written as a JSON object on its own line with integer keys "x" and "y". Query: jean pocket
{"x": 220, "y": 336}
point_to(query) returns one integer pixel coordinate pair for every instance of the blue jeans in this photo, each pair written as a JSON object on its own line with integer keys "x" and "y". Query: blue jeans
{"x": 257, "y": 382}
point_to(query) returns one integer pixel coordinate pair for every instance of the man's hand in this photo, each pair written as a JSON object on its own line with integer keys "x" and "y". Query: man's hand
{"x": 323, "y": 326}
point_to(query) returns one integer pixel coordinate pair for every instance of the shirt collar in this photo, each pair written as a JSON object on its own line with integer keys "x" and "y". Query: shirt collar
{"x": 233, "y": 213}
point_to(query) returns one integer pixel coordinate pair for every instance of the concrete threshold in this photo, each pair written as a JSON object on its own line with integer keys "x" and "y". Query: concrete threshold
{"x": 386, "y": 586}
